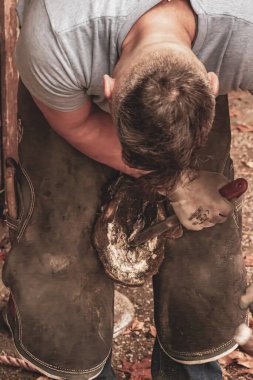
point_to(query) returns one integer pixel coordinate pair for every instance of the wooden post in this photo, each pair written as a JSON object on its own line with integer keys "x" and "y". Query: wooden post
{"x": 8, "y": 113}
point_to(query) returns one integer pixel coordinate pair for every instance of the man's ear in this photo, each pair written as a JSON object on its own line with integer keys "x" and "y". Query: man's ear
{"x": 214, "y": 81}
{"x": 109, "y": 83}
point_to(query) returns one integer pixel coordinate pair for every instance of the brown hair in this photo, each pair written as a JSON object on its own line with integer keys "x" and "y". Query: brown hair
{"x": 163, "y": 111}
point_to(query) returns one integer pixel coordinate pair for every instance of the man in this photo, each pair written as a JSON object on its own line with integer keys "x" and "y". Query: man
{"x": 156, "y": 67}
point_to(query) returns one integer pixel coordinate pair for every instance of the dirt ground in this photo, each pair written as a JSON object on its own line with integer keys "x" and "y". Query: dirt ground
{"x": 136, "y": 344}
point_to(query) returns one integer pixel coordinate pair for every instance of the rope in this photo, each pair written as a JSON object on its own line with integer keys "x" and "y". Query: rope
{"x": 19, "y": 363}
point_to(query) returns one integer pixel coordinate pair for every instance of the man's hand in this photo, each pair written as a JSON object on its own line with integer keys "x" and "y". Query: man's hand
{"x": 197, "y": 201}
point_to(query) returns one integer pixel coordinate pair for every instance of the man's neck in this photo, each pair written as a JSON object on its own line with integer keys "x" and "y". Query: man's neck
{"x": 169, "y": 21}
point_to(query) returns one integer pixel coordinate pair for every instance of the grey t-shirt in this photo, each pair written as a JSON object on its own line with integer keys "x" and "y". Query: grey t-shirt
{"x": 66, "y": 46}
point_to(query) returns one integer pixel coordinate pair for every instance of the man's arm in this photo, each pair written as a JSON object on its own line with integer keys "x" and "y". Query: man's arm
{"x": 91, "y": 131}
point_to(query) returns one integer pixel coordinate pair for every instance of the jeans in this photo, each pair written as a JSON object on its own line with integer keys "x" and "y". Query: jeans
{"x": 107, "y": 373}
{"x": 163, "y": 367}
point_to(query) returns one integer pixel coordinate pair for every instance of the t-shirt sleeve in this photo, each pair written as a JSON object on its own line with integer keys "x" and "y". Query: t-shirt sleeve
{"x": 43, "y": 64}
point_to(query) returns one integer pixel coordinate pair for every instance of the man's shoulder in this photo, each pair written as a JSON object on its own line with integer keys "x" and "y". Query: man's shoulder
{"x": 224, "y": 42}
{"x": 66, "y": 15}
{"x": 239, "y": 9}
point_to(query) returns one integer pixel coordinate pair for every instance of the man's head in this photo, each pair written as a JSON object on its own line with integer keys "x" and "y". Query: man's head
{"x": 163, "y": 109}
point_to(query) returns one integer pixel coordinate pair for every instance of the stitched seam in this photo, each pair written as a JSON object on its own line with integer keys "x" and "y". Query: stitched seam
{"x": 21, "y": 205}
{"x": 237, "y": 208}
{"x": 231, "y": 17}
{"x": 201, "y": 353}
{"x": 55, "y": 368}
{"x": 235, "y": 221}
{"x": 12, "y": 226}
{"x": 87, "y": 21}
{"x": 30, "y": 211}
{"x": 214, "y": 15}
{"x": 225, "y": 162}
{"x": 11, "y": 221}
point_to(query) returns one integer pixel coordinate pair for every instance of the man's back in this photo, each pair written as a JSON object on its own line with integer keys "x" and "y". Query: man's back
{"x": 66, "y": 46}
{"x": 224, "y": 41}
{"x": 79, "y": 42}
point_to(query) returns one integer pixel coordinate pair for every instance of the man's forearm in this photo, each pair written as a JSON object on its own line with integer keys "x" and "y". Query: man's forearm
{"x": 91, "y": 131}
{"x": 97, "y": 138}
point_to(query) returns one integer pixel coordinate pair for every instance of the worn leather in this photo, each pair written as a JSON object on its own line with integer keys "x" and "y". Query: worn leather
{"x": 61, "y": 314}
{"x": 198, "y": 287}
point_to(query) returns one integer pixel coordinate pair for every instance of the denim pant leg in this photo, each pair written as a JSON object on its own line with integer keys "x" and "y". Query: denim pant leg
{"x": 163, "y": 367}
{"x": 107, "y": 373}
